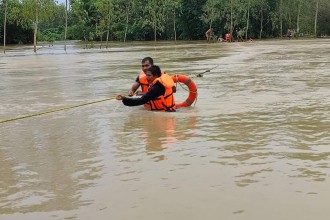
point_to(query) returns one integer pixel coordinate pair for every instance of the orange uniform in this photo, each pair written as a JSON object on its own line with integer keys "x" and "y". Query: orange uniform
{"x": 164, "y": 102}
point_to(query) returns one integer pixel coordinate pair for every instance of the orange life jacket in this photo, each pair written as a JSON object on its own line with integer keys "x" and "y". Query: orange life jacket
{"x": 143, "y": 82}
{"x": 145, "y": 86}
{"x": 164, "y": 102}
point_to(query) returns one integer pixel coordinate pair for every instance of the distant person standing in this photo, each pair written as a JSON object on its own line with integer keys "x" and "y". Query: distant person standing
{"x": 289, "y": 33}
{"x": 228, "y": 37}
{"x": 240, "y": 35}
{"x": 208, "y": 34}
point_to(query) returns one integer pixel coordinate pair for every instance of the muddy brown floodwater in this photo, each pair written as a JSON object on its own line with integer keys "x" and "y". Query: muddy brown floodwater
{"x": 255, "y": 146}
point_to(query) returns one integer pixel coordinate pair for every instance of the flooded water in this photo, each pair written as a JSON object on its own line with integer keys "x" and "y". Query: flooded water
{"x": 255, "y": 146}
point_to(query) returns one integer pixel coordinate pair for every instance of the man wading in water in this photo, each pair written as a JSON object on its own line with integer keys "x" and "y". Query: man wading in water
{"x": 159, "y": 96}
{"x": 208, "y": 34}
{"x": 141, "y": 80}
{"x": 290, "y": 33}
{"x": 146, "y": 63}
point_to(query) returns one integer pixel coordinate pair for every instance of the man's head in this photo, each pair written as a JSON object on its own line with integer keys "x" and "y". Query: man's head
{"x": 152, "y": 73}
{"x": 146, "y": 63}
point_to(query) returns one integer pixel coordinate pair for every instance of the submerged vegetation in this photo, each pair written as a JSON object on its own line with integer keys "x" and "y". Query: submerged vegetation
{"x": 27, "y": 21}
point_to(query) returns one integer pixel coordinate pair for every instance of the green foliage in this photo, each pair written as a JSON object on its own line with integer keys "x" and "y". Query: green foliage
{"x": 211, "y": 11}
{"x": 124, "y": 20}
{"x": 30, "y": 10}
{"x": 189, "y": 22}
{"x": 51, "y": 34}
{"x": 16, "y": 33}
{"x": 324, "y": 18}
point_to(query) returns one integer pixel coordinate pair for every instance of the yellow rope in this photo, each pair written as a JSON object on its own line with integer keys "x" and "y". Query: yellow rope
{"x": 54, "y": 110}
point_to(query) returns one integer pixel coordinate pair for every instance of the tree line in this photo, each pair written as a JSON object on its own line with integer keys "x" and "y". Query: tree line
{"x": 27, "y": 21}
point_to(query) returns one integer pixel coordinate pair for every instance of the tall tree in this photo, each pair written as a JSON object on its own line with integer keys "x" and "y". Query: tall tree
{"x": 109, "y": 7}
{"x": 211, "y": 11}
{"x": 128, "y": 5}
{"x": 66, "y": 23}
{"x": 34, "y": 11}
{"x": 237, "y": 9}
{"x": 156, "y": 9}
{"x": 82, "y": 19}
{"x": 298, "y": 16}
{"x": 324, "y": 17}
{"x": 260, "y": 9}
{"x": 152, "y": 19}
{"x": 247, "y": 19}
{"x": 189, "y": 21}
{"x": 316, "y": 15}
{"x": 231, "y": 18}
{"x": 174, "y": 6}
{"x": 281, "y": 17}
{"x": 234, "y": 10}
{"x": 105, "y": 10}
{"x": 5, "y": 4}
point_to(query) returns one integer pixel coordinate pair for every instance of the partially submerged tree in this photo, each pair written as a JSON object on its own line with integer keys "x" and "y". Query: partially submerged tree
{"x": 247, "y": 19}
{"x": 5, "y": 6}
{"x": 105, "y": 10}
{"x": 156, "y": 11}
{"x": 166, "y": 19}
{"x": 81, "y": 19}
{"x": 212, "y": 12}
{"x": 127, "y": 8}
{"x": 66, "y": 23}
{"x": 33, "y": 11}
{"x": 174, "y": 6}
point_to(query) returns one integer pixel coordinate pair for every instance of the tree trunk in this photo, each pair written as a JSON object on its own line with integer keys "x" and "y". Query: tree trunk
{"x": 281, "y": 17}
{"x": 155, "y": 31}
{"x": 211, "y": 18}
{"x": 281, "y": 26}
{"x": 316, "y": 15}
{"x": 107, "y": 40}
{"x": 126, "y": 28}
{"x": 231, "y": 20}
{"x": 247, "y": 21}
{"x": 298, "y": 17}
{"x": 108, "y": 29}
{"x": 35, "y": 30}
{"x": 261, "y": 23}
{"x": 174, "y": 25}
{"x": 66, "y": 23}
{"x": 4, "y": 27}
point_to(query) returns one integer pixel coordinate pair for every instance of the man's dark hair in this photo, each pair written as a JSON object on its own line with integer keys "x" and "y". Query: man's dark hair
{"x": 155, "y": 71}
{"x": 151, "y": 61}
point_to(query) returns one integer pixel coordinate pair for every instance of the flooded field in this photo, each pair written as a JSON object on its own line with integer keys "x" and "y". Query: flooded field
{"x": 255, "y": 146}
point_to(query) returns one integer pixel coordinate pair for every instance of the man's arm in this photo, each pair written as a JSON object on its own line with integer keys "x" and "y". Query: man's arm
{"x": 135, "y": 86}
{"x": 157, "y": 90}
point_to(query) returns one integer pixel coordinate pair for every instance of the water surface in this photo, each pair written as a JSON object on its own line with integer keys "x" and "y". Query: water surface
{"x": 255, "y": 145}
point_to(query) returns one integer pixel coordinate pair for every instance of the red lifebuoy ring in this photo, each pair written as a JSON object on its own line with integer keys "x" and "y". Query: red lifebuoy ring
{"x": 192, "y": 90}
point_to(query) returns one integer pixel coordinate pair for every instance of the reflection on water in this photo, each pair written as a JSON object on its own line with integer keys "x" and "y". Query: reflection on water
{"x": 157, "y": 132}
{"x": 255, "y": 146}
{"x": 47, "y": 168}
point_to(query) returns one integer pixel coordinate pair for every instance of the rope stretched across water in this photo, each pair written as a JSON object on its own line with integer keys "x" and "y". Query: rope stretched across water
{"x": 54, "y": 110}
{"x": 76, "y": 106}
{"x": 206, "y": 71}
